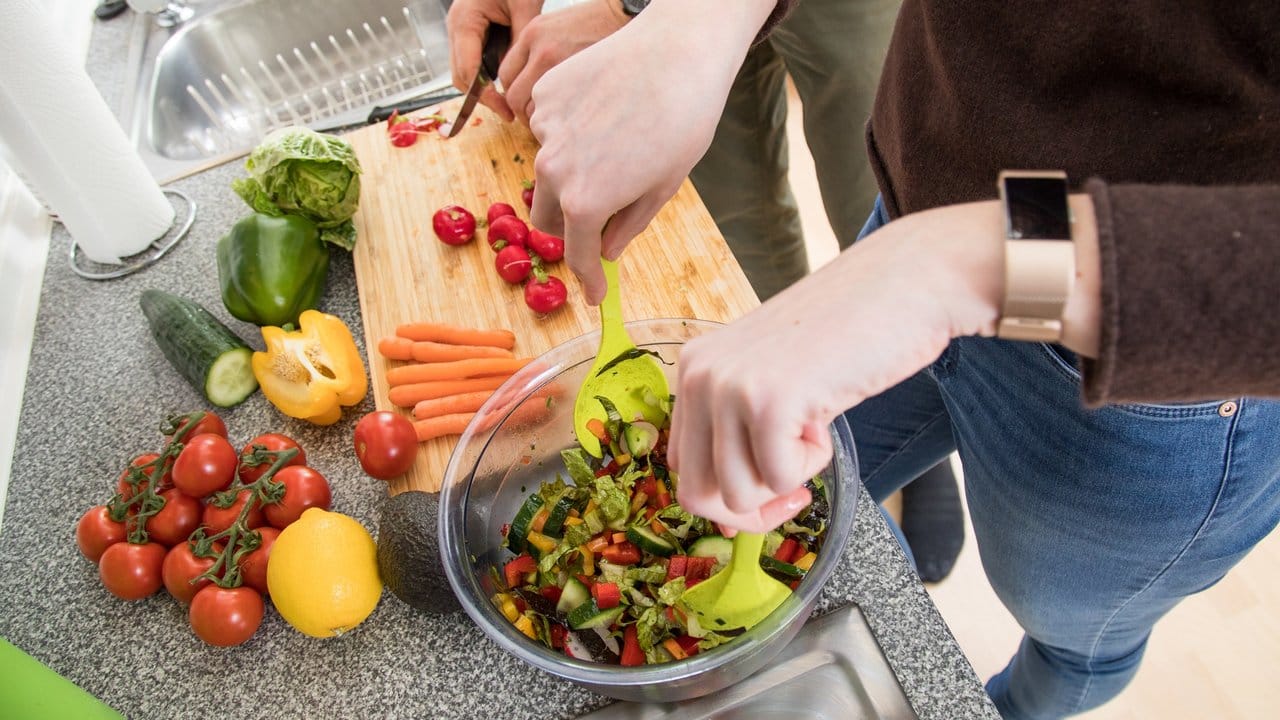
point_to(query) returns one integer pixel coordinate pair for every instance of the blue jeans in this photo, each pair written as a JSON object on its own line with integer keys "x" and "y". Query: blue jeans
{"x": 1091, "y": 524}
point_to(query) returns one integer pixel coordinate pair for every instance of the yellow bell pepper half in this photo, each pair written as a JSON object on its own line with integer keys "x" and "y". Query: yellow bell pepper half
{"x": 312, "y": 372}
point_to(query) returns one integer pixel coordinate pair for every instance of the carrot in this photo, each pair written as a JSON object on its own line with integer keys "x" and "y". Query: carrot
{"x": 454, "y": 370}
{"x": 449, "y": 404}
{"x": 396, "y": 348}
{"x": 455, "y": 335}
{"x": 441, "y": 426}
{"x": 407, "y": 396}
{"x": 427, "y": 351}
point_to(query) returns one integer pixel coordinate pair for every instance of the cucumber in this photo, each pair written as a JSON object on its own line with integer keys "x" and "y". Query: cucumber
{"x": 779, "y": 569}
{"x": 589, "y": 615}
{"x": 559, "y": 512}
{"x": 210, "y": 356}
{"x": 519, "y": 529}
{"x": 573, "y": 596}
{"x": 649, "y": 541}
{"x": 716, "y": 546}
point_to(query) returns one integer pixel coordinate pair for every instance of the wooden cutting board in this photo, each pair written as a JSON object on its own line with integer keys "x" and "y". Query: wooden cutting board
{"x": 679, "y": 267}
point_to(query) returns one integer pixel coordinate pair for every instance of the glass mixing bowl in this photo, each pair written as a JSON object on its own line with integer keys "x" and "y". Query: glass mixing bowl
{"x": 514, "y": 444}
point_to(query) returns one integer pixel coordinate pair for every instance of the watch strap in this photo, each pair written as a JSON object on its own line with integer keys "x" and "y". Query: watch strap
{"x": 1037, "y": 281}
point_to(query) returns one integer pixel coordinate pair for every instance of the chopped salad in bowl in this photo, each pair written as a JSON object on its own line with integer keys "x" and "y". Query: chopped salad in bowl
{"x": 601, "y": 561}
{"x": 524, "y": 511}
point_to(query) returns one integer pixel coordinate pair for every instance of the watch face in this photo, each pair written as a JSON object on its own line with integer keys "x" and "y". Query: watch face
{"x": 1037, "y": 208}
{"x": 633, "y": 7}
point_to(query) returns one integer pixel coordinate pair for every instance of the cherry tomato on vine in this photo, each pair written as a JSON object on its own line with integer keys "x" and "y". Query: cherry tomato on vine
{"x": 180, "y": 567}
{"x": 253, "y": 567}
{"x": 303, "y": 488}
{"x": 226, "y": 616}
{"x": 206, "y": 465}
{"x": 132, "y": 572}
{"x": 179, "y": 517}
{"x": 217, "y": 519}
{"x": 122, "y": 484}
{"x": 386, "y": 444}
{"x": 210, "y": 423}
{"x": 274, "y": 442}
{"x": 96, "y": 532}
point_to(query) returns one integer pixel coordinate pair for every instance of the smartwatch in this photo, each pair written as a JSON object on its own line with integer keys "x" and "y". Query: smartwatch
{"x": 632, "y": 8}
{"x": 1039, "y": 256}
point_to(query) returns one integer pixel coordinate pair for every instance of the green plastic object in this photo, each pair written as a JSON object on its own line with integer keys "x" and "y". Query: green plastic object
{"x": 624, "y": 382}
{"x": 31, "y": 691}
{"x": 740, "y": 595}
{"x": 272, "y": 268}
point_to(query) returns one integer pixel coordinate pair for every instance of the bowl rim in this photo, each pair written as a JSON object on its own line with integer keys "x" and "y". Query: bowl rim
{"x": 452, "y": 538}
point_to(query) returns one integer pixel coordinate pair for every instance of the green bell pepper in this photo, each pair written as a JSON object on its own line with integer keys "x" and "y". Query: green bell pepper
{"x": 272, "y": 268}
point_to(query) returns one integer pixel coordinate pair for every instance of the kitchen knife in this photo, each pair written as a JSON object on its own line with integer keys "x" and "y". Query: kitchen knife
{"x": 359, "y": 116}
{"x": 496, "y": 41}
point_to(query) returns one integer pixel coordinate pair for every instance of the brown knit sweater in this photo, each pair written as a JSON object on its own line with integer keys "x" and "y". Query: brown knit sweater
{"x": 1172, "y": 108}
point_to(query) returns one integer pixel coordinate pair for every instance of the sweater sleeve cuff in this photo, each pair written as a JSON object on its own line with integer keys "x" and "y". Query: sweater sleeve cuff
{"x": 1188, "y": 293}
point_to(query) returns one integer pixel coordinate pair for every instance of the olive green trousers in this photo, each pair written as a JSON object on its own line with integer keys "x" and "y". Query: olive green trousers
{"x": 833, "y": 50}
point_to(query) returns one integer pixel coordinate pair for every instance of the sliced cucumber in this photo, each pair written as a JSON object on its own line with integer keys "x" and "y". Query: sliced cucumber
{"x": 780, "y": 569}
{"x": 559, "y": 513}
{"x": 574, "y": 596}
{"x": 649, "y": 541}
{"x": 211, "y": 357}
{"x": 589, "y": 615}
{"x": 716, "y": 546}
{"x": 519, "y": 530}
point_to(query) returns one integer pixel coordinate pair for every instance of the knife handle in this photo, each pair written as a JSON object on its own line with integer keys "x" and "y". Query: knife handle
{"x": 497, "y": 39}
{"x": 382, "y": 112}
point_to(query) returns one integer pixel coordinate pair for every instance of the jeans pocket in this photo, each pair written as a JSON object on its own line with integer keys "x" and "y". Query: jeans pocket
{"x": 1065, "y": 363}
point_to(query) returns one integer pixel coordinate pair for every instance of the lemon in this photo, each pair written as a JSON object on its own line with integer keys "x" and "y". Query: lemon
{"x": 323, "y": 573}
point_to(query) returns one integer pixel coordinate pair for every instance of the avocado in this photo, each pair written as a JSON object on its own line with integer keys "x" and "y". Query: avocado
{"x": 409, "y": 554}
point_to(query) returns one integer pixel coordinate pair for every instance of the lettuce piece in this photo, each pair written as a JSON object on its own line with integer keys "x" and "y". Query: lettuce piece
{"x": 612, "y": 501}
{"x": 574, "y": 535}
{"x": 650, "y": 575}
{"x": 650, "y": 627}
{"x": 670, "y": 593}
{"x": 575, "y": 461}
{"x": 297, "y": 171}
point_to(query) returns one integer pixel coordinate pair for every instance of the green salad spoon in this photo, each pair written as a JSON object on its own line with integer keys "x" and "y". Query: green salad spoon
{"x": 740, "y": 595}
{"x": 628, "y": 377}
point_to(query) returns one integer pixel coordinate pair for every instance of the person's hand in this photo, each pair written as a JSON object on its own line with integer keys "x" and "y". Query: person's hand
{"x": 755, "y": 399}
{"x": 466, "y": 24}
{"x": 549, "y": 39}
{"x": 622, "y": 122}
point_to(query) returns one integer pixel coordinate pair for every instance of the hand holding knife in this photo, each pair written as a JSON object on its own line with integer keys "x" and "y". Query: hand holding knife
{"x": 497, "y": 39}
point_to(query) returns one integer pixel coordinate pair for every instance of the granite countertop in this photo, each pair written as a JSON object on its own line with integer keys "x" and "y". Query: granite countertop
{"x": 96, "y": 393}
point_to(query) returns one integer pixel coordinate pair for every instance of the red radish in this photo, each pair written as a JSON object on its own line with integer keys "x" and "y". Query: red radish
{"x": 499, "y": 209}
{"x": 508, "y": 230}
{"x": 548, "y": 247}
{"x": 513, "y": 263}
{"x": 544, "y": 293}
{"x": 454, "y": 225}
{"x": 527, "y": 194}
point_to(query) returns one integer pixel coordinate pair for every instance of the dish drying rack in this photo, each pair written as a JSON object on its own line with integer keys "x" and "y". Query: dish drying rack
{"x": 332, "y": 82}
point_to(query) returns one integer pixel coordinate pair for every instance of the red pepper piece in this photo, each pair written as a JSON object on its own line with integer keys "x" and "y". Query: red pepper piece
{"x": 688, "y": 643}
{"x": 676, "y": 566}
{"x": 515, "y": 570}
{"x": 558, "y": 634}
{"x": 551, "y": 592}
{"x": 648, "y": 486}
{"x": 606, "y": 594}
{"x": 624, "y": 553}
{"x": 786, "y": 552}
{"x": 794, "y": 584}
{"x": 631, "y": 652}
{"x": 698, "y": 569}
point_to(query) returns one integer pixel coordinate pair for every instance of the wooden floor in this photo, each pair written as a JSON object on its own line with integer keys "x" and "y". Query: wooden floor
{"x": 1216, "y": 656}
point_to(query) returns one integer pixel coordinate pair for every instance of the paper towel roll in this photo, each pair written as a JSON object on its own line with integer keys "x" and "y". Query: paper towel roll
{"x": 68, "y": 146}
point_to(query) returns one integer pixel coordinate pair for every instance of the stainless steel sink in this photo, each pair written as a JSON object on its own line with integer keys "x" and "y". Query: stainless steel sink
{"x": 206, "y": 91}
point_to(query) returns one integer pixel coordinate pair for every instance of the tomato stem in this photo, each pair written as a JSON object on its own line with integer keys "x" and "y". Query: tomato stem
{"x": 240, "y": 539}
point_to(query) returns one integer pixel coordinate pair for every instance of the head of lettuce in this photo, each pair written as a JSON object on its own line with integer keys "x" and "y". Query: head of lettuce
{"x": 296, "y": 171}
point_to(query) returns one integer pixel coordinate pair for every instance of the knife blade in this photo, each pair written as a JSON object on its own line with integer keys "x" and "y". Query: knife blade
{"x": 497, "y": 38}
